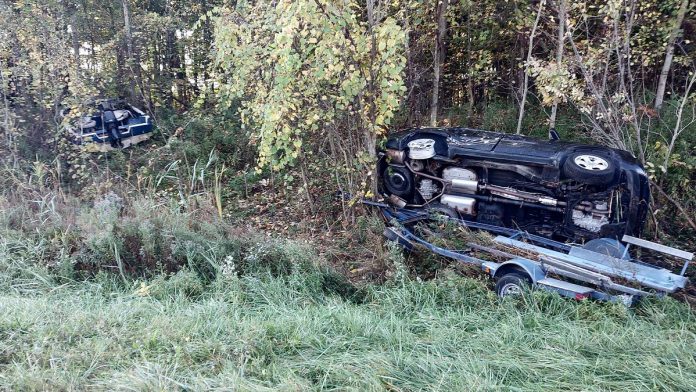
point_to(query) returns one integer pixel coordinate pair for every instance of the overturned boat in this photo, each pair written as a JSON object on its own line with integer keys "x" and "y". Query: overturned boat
{"x": 114, "y": 124}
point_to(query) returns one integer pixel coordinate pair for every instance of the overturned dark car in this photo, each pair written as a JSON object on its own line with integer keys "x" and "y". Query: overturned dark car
{"x": 109, "y": 124}
{"x": 556, "y": 189}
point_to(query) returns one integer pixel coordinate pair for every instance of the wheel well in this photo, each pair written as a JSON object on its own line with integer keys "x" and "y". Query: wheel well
{"x": 510, "y": 268}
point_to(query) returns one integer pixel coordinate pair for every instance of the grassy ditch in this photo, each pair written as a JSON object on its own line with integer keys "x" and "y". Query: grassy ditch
{"x": 146, "y": 294}
{"x": 303, "y": 327}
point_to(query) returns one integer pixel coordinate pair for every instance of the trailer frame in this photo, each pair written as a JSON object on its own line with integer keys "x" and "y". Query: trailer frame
{"x": 596, "y": 270}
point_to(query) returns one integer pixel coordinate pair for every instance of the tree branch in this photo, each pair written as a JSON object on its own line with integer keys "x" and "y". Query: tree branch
{"x": 675, "y": 203}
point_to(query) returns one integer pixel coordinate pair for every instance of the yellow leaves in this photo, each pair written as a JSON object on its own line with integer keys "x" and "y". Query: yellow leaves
{"x": 143, "y": 290}
{"x": 555, "y": 83}
{"x": 316, "y": 72}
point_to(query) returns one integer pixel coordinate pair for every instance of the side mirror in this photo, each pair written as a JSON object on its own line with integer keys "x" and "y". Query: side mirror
{"x": 553, "y": 135}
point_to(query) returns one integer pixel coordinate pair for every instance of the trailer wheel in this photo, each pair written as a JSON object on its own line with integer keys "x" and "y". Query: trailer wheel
{"x": 511, "y": 284}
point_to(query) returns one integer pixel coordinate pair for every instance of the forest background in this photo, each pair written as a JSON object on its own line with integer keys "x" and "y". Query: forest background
{"x": 216, "y": 255}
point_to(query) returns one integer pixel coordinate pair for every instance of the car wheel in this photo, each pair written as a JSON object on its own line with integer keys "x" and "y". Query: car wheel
{"x": 590, "y": 168}
{"x": 511, "y": 284}
{"x": 398, "y": 181}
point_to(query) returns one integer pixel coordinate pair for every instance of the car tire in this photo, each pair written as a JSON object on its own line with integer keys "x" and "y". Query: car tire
{"x": 511, "y": 284}
{"x": 590, "y": 168}
{"x": 398, "y": 181}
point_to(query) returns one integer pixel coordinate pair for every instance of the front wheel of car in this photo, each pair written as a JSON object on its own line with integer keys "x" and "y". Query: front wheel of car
{"x": 590, "y": 168}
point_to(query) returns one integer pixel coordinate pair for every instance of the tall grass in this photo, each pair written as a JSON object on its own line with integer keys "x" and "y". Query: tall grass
{"x": 298, "y": 328}
{"x": 147, "y": 293}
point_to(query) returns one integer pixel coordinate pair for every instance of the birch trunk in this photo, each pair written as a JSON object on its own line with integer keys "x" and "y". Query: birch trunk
{"x": 438, "y": 58}
{"x": 525, "y": 84}
{"x": 669, "y": 55}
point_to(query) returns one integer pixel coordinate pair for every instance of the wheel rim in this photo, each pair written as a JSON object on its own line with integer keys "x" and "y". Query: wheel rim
{"x": 591, "y": 162}
{"x": 397, "y": 182}
{"x": 510, "y": 289}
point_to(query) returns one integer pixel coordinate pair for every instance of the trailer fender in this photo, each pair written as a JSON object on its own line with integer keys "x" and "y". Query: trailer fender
{"x": 528, "y": 267}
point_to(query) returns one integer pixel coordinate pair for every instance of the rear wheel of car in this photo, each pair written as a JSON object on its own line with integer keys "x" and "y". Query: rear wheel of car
{"x": 511, "y": 284}
{"x": 398, "y": 181}
{"x": 590, "y": 168}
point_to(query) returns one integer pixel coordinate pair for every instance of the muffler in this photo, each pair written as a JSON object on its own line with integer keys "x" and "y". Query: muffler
{"x": 465, "y": 205}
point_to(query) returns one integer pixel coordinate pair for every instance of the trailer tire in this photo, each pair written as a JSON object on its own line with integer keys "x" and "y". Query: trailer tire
{"x": 512, "y": 284}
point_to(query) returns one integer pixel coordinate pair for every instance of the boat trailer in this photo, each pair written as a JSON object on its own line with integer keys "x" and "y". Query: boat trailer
{"x": 601, "y": 269}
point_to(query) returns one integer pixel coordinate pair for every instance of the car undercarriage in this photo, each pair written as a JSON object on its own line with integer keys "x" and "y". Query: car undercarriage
{"x": 555, "y": 189}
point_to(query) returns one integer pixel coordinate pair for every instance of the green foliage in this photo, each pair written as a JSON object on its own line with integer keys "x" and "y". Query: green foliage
{"x": 302, "y": 68}
{"x": 183, "y": 284}
{"x": 310, "y": 87}
{"x": 36, "y": 77}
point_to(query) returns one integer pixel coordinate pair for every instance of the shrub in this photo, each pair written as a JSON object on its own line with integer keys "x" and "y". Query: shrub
{"x": 184, "y": 283}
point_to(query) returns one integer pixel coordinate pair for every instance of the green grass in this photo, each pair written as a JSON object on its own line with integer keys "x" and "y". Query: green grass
{"x": 296, "y": 332}
{"x": 139, "y": 295}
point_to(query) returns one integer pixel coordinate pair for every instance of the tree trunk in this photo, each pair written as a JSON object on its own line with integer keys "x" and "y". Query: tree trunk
{"x": 369, "y": 130}
{"x": 669, "y": 55}
{"x": 470, "y": 78}
{"x": 118, "y": 53}
{"x": 525, "y": 85}
{"x": 91, "y": 61}
{"x": 174, "y": 67}
{"x": 520, "y": 70}
{"x": 6, "y": 109}
{"x": 410, "y": 79}
{"x": 129, "y": 47}
{"x": 559, "y": 54}
{"x": 182, "y": 76}
{"x": 208, "y": 44}
{"x": 75, "y": 40}
{"x": 438, "y": 58}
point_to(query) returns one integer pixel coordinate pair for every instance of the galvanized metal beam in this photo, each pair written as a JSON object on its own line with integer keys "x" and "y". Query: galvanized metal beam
{"x": 658, "y": 247}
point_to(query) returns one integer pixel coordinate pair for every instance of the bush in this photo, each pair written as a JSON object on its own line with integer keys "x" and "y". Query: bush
{"x": 184, "y": 283}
